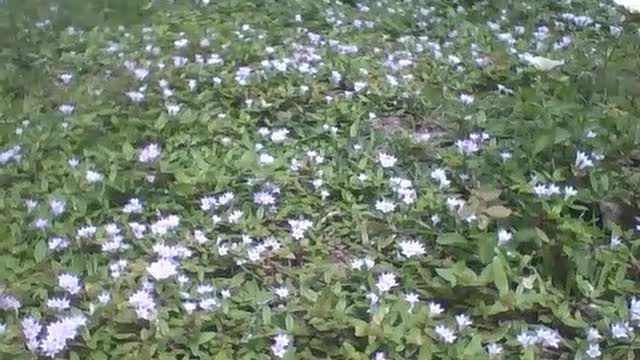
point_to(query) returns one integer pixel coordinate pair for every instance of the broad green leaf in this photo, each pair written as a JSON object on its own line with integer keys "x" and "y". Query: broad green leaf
{"x": 498, "y": 212}
{"x": 500, "y": 276}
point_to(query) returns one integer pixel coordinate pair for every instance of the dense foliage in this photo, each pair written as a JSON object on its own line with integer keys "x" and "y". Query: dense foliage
{"x": 306, "y": 179}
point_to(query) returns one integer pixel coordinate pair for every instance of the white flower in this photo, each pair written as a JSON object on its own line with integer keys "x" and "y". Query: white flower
{"x": 57, "y": 207}
{"x": 162, "y": 269}
{"x": 615, "y": 30}
{"x": 31, "y": 328}
{"x": 279, "y": 135}
{"x": 134, "y": 206}
{"x": 525, "y": 339}
{"x": 173, "y": 109}
{"x": 104, "y": 297}
{"x": 357, "y": 264}
{"x": 57, "y": 243}
{"x": 58, "y": 333}
{"x": 494, "y": 350}
{"x": 634, "y": 309}
{"x": 225, "y": 198}
{"x": 208, "y": 303}
{"x": 593, "y": 335}
{"x": 144, "y": 305}
{"x": 380, "y": 356}
{"x": 368, "y": 262}
{"x": 281, "y": 291}
{"x": 280, "y": 346}
{"x": 569, "y": 191}
{"x": 225, "y": 293}
{"x": 31, "y": 204}
{"x": 631, "y": 5}
{"x": 299, "y": 227}
{"x": 373, "y": 298}
{"x": 543, "y": 63}
{"x": 583, "y": 161}
{"x": 140, "y": 73}
{"x": 70, "y": 283}
{"x": 264, "y": 198}
{"x": 200, "y": 237}
{"x": 447, "y": 334}
{"x": 467, "y": 99}
{"x": 359, "y": 86}
{"x": 149, "y": 153}
{"x": 527, "y": 282}
{"x": 66, "y": 109}
{"x": 192, "y": 83}
{"x": 189, "y": 307}
{"x": 93, "y": 176}
{"x": 165, "y": 224}
{"x": 549, "y": 338}
{"x": 266, "y": 159}
{"x": 593, "y": 351}
{"x": 463, "y": 321}
{"x": 65, "y": 78}
{"x": 137, "y": 229}
{"x": 542, "y": 190}
{"x": 410, "y": 248}
{"x": 73, "y": 162}
{"x": 41, "y": 223}
{"x": 112, "y": 229}
{"x": 171, "y": 252}
{"x": 386, "y": 160}
{"x": 441, "y": 176}
{"x": 412, "y": 299}
{"x": 435, "y": 309}
{"x": 235, "y": 216}
{"x": 385, "y": 206}
{"x": 615, "y": 241}
{"x": 181, "y": 43}
{"x": 386, "y": 281}
{"x": 58, "y": 304}
{"x": 621, "y": 330}
{"x": 504, "y": 237}
{"x": 118, "y": 267}
{"x": 135, "y": 96}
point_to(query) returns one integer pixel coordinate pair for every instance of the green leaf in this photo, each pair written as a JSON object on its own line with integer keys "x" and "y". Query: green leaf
{"x": 487, "y": 195}
{"x": 223, "y": 355}
{"x": 205, "y": 337}
{"x": 448, "y": 274}
{"x": 562, "y": 135}
{"x": 289, "y": 323}
{"x": 486, "y": 248}
{"x": 425, "y": 352}
{"x": 98, "y": 355}
{"x": 498, "y": 212}
{"x": 266, "y": 315}
{"x": 40, "y": 251}
{"x": 451, "y": 239}
{"x": 500, "y": 276}
{"x": 360, "y": 327}
{"x": 381, "y": 312}
{"x": 309, "y": 294}
{"x": 474, "y": 348}
{"x": 542, "y": 235}
{"x": 542, "y": 143}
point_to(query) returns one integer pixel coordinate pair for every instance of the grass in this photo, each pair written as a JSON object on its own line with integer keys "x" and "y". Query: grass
{"x": 319, "y": 180}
